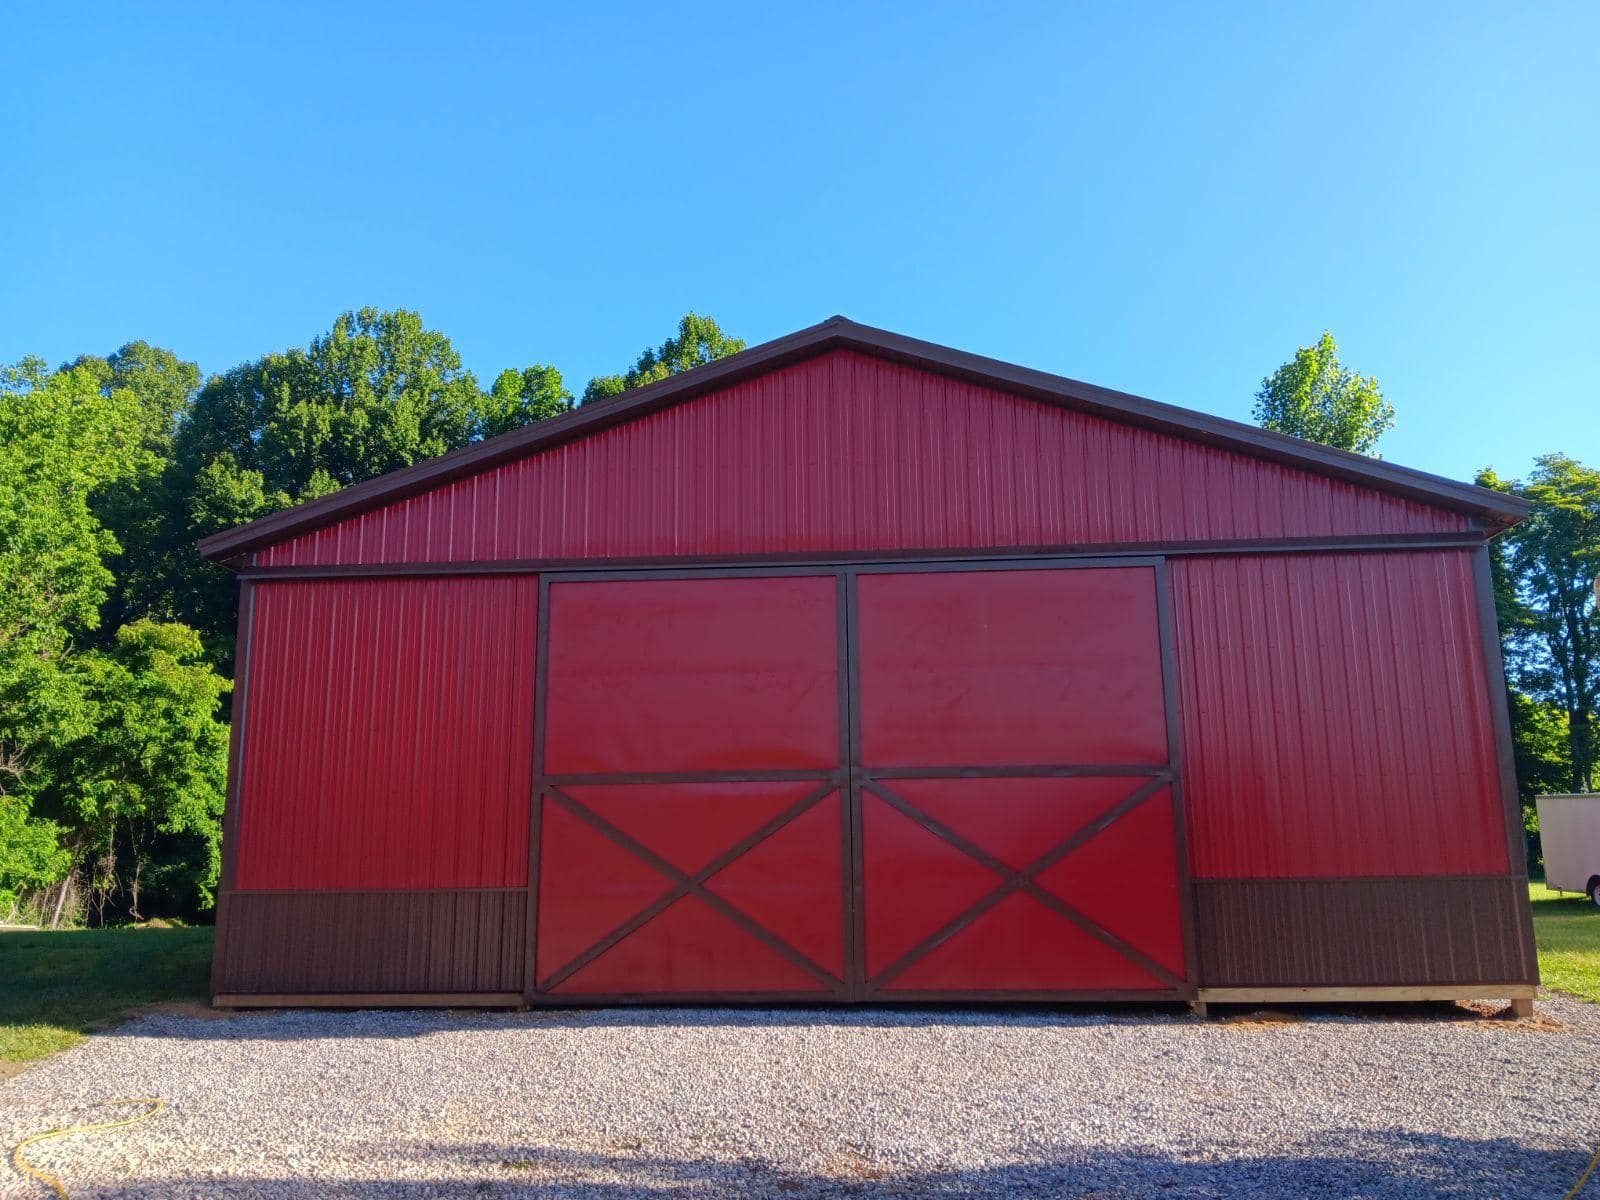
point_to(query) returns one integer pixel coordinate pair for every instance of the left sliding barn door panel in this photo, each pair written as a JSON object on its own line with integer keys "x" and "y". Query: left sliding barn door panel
{"x": 693, "y": 833}
{"x": 377, "y": 838}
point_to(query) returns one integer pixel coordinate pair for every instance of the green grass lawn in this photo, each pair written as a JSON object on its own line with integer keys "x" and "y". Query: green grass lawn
{"x": 1567, "y": 931}
{"x": 55, "y": 987}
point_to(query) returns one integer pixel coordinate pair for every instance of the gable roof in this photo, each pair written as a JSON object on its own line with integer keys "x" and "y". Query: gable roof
{"x": 1496, "y": 509}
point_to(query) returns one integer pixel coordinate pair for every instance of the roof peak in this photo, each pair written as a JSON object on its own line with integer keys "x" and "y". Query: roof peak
{"x": 1496, "y": 509}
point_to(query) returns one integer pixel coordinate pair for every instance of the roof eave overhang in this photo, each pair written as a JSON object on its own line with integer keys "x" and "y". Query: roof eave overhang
{"x": 1494, "y": 510}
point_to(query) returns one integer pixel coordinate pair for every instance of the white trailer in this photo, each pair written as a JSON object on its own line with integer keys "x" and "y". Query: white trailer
{"x": 1569, "y": 828}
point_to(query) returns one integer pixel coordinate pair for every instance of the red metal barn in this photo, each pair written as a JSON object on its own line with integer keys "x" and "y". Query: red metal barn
{"x": 855, "y": 668}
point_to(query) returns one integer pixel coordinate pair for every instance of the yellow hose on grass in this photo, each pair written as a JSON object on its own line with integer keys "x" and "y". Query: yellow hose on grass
{"x": 49, "y": 1180}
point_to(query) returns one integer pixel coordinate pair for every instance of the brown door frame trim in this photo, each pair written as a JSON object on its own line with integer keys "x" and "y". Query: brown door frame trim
{"x": 1168, "y": 630}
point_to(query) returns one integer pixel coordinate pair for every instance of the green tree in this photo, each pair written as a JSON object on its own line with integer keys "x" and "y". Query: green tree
{"x": 1313, "y": 396}
{"x": 132, "y": 508}
{"x": 1552, "y": 628}
{"x": 31, "y": 855}
{"x": 111, "y": 753}
{"x": 142, "y": 770}
{"x": 64, "y": 438}
{"x": 522, "y": 397}
{"x": 378, "y": 392}
{"x": 1541, "y": 753}
{"x": 700, "y": 341}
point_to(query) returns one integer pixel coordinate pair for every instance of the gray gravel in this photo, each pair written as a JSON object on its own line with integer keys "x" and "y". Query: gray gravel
{"x": 787, "y": 1103}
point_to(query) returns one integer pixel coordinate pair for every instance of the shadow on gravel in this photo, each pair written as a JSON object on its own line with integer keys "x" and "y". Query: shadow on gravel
{"x": 1373, "y": 1166}
{"x": 288, "y": 1024}
{"x": 273, "y": 1024}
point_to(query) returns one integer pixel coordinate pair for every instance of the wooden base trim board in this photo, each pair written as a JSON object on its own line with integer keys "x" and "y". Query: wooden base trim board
{"x": 370, "y": 1000}
{"x": 1221, "y": 995}
{"x": 1364, "y": 995}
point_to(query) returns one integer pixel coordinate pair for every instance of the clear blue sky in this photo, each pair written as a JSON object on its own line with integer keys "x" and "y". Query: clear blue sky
{"x": 1163, "y": 199}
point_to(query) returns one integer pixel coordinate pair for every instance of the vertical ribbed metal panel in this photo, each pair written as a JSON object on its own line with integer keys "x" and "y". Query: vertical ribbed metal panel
{"x": 373, "y": 941}
{"x": 1375, "y": 932}
{"x": 1336, "y": 716}
{"x": 846, "y": 452}
{"x": 388, "y": 738}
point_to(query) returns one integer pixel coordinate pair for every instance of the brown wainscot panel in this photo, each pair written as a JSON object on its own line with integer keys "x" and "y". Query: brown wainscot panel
{"x": 455, "y": 940}
{"x": 1368, "y": 931}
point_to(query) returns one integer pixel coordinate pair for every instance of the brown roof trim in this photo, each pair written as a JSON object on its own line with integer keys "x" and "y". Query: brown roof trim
{"x": 1496, "y": 509}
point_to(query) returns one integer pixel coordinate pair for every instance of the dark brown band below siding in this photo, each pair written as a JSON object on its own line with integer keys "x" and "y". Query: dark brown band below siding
{"x": 1363, "y": 932}
{"x": 450, "y": 941}
{"x": 1250, "y": 933}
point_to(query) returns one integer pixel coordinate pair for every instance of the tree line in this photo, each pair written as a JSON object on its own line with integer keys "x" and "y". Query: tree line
{"x": 116, "y": 639}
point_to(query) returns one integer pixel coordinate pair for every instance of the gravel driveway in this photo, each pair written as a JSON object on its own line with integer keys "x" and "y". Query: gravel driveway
{"x": 792, "y": 1103}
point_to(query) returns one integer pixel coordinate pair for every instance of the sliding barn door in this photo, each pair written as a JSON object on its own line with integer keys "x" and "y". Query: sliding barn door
{"x": 1014, "y": 771}
{"x": 919, "y": 782}
{"x": 692, "y": 836}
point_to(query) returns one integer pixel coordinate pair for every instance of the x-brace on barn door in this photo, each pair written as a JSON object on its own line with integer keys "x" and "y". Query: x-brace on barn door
{"x": 950, "y": 780}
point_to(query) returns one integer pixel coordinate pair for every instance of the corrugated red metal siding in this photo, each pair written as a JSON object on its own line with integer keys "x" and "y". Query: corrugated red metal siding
{"x": 387, "y": 738}
{"x": 1336, "y": 717}
{"x": 928, "y": 462}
